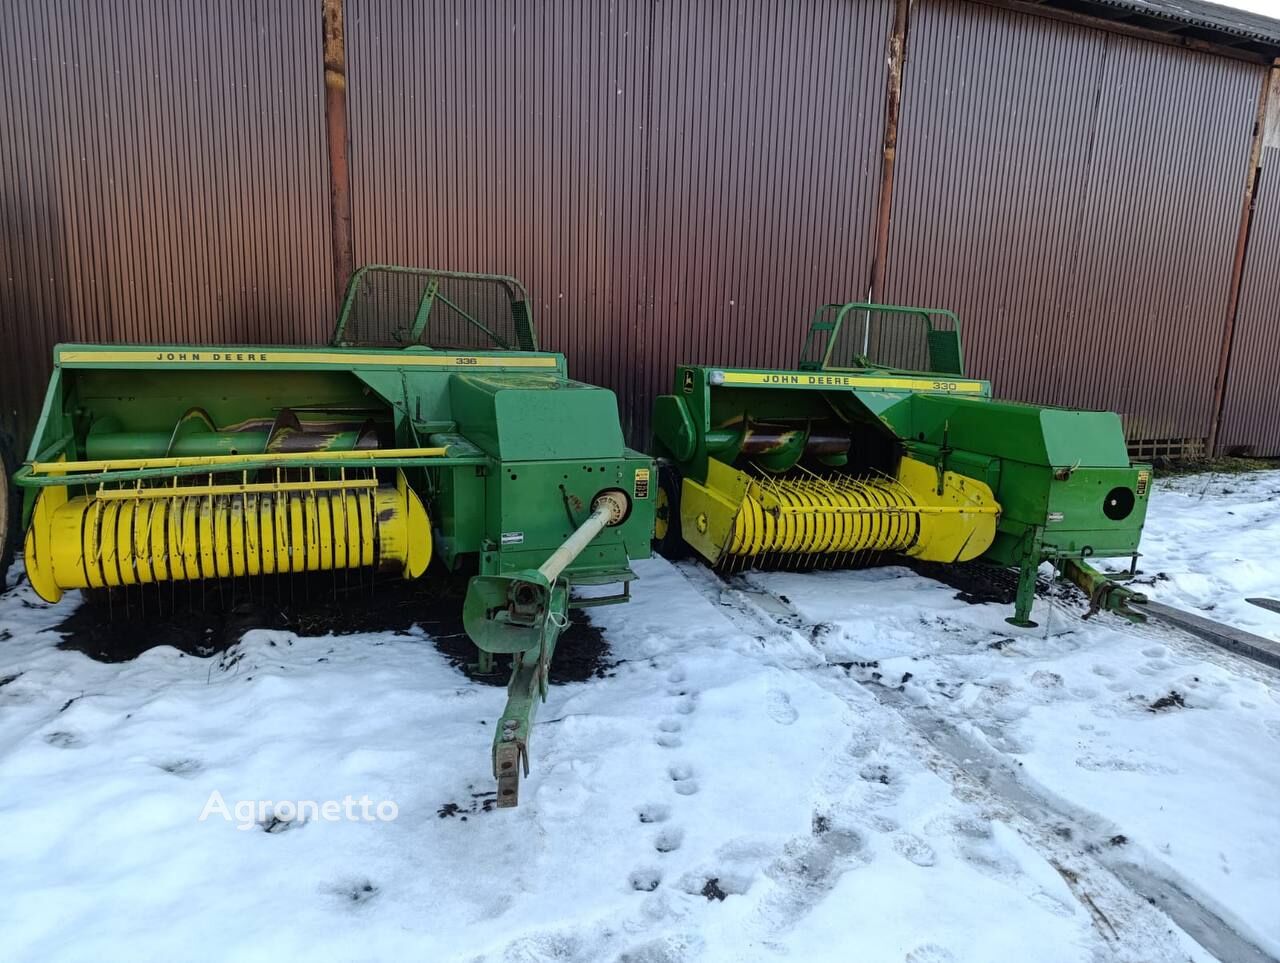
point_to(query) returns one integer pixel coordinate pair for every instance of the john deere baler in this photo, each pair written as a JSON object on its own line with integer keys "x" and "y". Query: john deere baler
{"x": 878, "y": 443}
{"x": 431, "y": 425}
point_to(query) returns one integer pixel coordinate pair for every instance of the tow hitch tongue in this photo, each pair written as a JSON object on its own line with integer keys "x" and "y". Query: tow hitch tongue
{"x": 522, "y": 615}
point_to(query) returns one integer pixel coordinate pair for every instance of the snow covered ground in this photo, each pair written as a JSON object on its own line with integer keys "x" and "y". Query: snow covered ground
{"x": 834, "y": 766}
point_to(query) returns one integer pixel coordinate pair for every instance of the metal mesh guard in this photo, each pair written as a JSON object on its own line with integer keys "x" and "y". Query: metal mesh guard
{"x": 899, "y": 338}
{"x": 396, "y": 307}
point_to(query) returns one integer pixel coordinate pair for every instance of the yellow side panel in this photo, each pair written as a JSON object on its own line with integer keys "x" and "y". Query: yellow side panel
{"x": 708, "y": 513}
{"x": 957, "y": 535}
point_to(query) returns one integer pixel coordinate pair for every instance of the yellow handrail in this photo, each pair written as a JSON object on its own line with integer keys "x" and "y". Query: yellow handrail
{"x": 266, "y": 458}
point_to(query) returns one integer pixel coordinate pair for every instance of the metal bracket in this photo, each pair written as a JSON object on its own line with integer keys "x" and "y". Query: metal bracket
{"x": 1105, "y": 595}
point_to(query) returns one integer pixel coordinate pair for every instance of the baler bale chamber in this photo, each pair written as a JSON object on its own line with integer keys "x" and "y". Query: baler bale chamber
{"x": 877, "y": 443}
{"x": 431, "y": 427}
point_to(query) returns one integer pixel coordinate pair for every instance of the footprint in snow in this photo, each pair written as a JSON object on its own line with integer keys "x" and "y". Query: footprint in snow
{"x": 668, "y": 733}
{"x": 645, "y": 880}
{"x": 778, "y": 704}
{"x": 669, "y": 840}
{"x": 64, "y": 740}
{"x": 1048, "y": 681}
{"x": 676, "y": 675}
{"x": 882, "y": 823}
{"x": 809, "y": 868}
{"x": 654, "y": 813}
{"x": 716, "y": 886}
{"x": 181, "y": 767}
{"x": 881, "y": 775}
{"x": 666, "y": 949}
{"x": 682, "y": 779}
{"x": 914, "y": 849}
{"x": 1094, "y": 763}
{"x": 929, "y": 953}
{"x": 967, "y": 826}
{"x": 355, "y": 890}
{"x": 686, "y": 705}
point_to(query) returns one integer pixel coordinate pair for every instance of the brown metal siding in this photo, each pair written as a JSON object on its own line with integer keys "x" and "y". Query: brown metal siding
{"x": 161, "y": 179}
{"x": 1250, "y": 413}
{"x": 673, "y": 182}
{"x": 1074, "y": 196}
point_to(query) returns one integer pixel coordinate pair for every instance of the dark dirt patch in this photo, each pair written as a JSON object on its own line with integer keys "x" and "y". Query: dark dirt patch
{"x": 712, "y": 890}
{"x": 976, "y": 582}
{"x": 820, "y": 631}
{"x": 274, "y": 825}
{"x": 481, "y": 802}
{"x": 1229, "y": 465}
{"x": 1118, "y": 840}
{"x": 5, "y": 680}
{"x": 207, "y": 619}
{"x": 821, "y": 824}
{"x": 1173, "y": 700}
{"x": 1000, "y": 644}
{"x": 582, "y": 653}
{"x": 203, "y": 619}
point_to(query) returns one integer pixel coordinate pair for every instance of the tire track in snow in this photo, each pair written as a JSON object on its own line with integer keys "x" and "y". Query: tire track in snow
{"x": 1116, "y": 891}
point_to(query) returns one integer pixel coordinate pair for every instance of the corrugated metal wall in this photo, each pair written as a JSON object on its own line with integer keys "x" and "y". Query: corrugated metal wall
{"x": 162, "y": 178}
{"x": 1074, "y": 195}
{"x": 1250, "y": 413}
{"x": 672, "y": 181}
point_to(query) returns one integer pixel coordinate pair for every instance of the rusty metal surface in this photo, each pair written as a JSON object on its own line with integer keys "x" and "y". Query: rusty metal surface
{"x": 337, "y": 141}
{"x": 161, "y": 178}
{"x": 1074, "y": 195}
{"x": 673, "y": 182}
{"x": 1250, "y": 417}
{"x": 889, "y": 150}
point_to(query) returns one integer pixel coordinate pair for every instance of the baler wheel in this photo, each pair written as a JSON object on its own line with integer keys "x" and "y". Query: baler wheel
{"x": 668, "y": 540}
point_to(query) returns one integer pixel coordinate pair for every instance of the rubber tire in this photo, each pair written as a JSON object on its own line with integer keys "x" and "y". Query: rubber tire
{"x": 10, "y": 509}
{"x": 672, "y": 545}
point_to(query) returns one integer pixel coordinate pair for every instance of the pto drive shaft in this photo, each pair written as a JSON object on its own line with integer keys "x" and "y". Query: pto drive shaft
{"x": 523, "y": 614}
{"x": 609, "y": 508}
